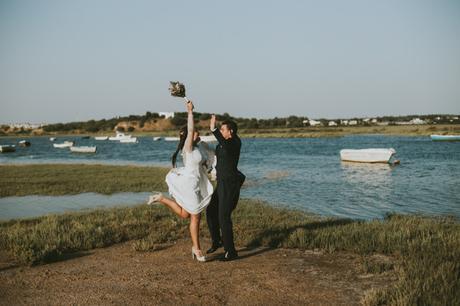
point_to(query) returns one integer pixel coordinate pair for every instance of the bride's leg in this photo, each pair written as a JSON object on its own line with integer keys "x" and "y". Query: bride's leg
{"x": 195, "y": 230}
{"x": 174, "y": 207}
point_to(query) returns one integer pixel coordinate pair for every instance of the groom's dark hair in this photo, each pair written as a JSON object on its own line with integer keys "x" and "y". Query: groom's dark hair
{"x": 231, "y": 126}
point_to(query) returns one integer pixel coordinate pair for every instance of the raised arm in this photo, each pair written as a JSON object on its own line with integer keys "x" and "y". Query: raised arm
{"x": 188, "y": 145}
{"x": 215, "y": 131}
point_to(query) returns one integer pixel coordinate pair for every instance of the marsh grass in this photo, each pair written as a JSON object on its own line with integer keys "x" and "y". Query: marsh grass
{"x": 59, "y": 179}
{"x": 423, "y": 252}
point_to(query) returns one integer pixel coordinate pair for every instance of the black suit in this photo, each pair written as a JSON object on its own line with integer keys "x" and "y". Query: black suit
{"x": 227, "y": 193}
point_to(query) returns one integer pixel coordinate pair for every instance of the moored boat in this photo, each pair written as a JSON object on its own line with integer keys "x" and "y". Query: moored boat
{"x": 445, "y": 137}
{"x": 119, "y": 136}
{"x": 129, "y": 140}
{"x": 208, "y": 138}
{"x": 367, "y": 155}
{"x": 157, "y": 138}
{"x": 83, "y": 149}
{"x": 101, "y": 137}
{"x": 171, "y": 138}
{"x": 65, "y": 144}
{"x": 7, "y": 148}
{"x": 24, "y": 143}
{"x": 52, "y": 138}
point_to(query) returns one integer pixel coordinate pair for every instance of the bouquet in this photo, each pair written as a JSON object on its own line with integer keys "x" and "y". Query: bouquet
{"x": 177, "y": 89}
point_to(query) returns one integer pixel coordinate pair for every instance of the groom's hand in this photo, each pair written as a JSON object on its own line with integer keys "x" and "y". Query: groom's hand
{"x": 212, "y": 124}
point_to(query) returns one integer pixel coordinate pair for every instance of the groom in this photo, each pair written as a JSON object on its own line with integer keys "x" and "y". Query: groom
{"x": 227, "y": 193}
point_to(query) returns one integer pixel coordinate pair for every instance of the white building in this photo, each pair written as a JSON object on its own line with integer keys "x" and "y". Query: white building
{"x": 313, "y": 122}
{"x": 417, "y": 121}
{"x": 344, "y": 122}
{"x": 332, "y": 123}
{"x": 166, "y": 114}
{"x": 352, "y": 122}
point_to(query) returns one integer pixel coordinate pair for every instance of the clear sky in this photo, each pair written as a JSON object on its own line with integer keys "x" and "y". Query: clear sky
{"x": 64, "y": 61}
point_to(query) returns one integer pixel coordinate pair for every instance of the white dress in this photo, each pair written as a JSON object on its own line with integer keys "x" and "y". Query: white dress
{"x": 189, "y": 185}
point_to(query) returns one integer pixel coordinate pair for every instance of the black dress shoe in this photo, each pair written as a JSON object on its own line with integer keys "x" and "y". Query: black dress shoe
{"x": 229, "y": 256}
{"x": 213, "y": 248}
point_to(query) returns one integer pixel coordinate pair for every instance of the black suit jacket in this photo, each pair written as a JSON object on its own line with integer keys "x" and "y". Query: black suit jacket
{"x": 228, "y": 155}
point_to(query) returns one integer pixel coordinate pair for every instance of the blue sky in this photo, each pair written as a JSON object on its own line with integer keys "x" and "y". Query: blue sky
{"x": 64, "y": 61}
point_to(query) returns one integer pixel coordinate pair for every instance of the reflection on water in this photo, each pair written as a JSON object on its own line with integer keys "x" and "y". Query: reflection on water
{"x": 370, "y": 175}
{"x": 33, "y": 206}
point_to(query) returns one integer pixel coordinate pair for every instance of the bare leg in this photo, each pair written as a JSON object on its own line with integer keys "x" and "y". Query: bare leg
{"x": 175, "y": 208}
{"x": 195, "y": 230}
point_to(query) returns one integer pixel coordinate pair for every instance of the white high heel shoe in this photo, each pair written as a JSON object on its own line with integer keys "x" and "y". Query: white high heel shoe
{"x": 198, "y": 255}
{"x": 156, "y": 198}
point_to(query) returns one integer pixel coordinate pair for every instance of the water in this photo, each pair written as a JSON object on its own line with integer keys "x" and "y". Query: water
{"x": 305, "y": 174}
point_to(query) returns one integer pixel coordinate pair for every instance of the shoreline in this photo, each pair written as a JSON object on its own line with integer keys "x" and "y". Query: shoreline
{"x": 301, "y": 132}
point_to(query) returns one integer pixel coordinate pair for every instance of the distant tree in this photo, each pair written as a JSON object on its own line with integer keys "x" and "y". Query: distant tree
{"x": 130, "y": 129}
{"x": 120, "y": 129}
{"x": 178, "y": 121}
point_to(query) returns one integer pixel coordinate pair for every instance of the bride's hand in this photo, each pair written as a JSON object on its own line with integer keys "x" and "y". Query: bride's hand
{"x": 190, "y": 106}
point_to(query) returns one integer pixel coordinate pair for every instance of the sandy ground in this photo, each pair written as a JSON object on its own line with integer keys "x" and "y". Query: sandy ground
{"x": 119, "y": 275}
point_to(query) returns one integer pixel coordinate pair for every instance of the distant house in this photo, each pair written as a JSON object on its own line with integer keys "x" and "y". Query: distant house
{"x": 353, "y": 122}
{"x": 166, "y": 114}
{"x": 417, "y": 121}
{"x": 344, "y": 122}
{"x": 314, "y": 122}
{"x": 332, "y": 123}
{"x": 374, "y": 120}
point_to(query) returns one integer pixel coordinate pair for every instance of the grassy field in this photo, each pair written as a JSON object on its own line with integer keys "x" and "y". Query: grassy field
{"x": 425, "y": 252}
{"x": 60, "y": 179}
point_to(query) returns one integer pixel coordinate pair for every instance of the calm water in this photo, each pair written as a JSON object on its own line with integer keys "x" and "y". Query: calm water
{"x": 305, "y": 174}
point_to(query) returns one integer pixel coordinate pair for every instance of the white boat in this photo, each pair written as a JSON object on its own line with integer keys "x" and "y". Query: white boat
{"x": 129, "y": 140}
{"x": 65, "y": 144}
{"x": 83, "y": 149}
{"x": 445, "y": 137}
{"x": 24, "y": 143}
{"x": 7, "y": 148}
{"x": 367, "y": 155}
{"x": 119, "y": 136}
{"x": 209, "y": 138}
{"x": 52, "y": 138}
{"x": 157, "y": 138}
{"x": 101, "y": 137}
{"x": 172, "y": 138}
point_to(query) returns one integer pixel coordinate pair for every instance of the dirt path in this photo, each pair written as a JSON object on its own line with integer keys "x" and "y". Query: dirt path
{"x": 119, "y": 275}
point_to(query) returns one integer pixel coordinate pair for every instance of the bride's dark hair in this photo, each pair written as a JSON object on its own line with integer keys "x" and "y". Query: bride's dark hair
{"x": 180, "y": 146}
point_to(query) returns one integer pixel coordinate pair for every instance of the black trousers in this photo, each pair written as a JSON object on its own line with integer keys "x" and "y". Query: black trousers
{"x": 219, "y": 211}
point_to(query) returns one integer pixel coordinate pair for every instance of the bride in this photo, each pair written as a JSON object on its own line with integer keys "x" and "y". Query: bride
{"x": 189, "y": 185}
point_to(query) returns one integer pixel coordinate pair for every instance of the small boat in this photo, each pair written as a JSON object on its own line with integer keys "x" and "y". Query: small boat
{"x": 7, "y": 148}
{"x": 83, "y": 149}
{"x": 172, "y": 138}
{"x": 24, "y": 143}
{"x": 52, "y": 138}
{"x": 101, "y": 137}
{"x": 65, "y": 144}
{"x": 445, "y": 137}
{"x": 367, "y": 155}
{"x": 129, "y": 140}
{"x": 209, "y": 138}
{"x": 119, "y": 136}
{"x": 157, "y": 138}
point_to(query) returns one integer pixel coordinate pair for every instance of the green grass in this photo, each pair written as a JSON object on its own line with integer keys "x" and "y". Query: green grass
{"x": 58, "y": 179}
{"x": 424, "y": 252}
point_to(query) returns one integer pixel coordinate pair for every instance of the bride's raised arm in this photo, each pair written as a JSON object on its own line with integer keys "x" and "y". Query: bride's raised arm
{"x": 188, "y": 145}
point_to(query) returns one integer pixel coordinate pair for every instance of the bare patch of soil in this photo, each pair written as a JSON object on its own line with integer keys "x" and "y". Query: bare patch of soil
{"x": 122, "y": 276}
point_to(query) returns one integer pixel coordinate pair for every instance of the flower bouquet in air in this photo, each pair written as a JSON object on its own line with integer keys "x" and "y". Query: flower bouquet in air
{"x": 177, "y": 89}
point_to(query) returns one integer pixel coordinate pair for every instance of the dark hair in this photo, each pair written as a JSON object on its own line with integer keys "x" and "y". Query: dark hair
{"x": 180, "y": 146}
{"x": 231, "y": 126}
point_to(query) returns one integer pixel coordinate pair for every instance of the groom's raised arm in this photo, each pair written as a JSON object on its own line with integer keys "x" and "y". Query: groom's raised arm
{"x": 216, "y": 131}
